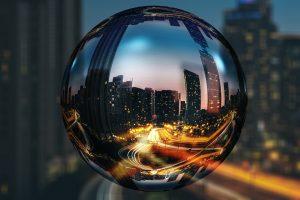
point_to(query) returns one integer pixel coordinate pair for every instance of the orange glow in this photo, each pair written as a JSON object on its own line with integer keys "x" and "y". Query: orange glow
{"x": 275, "y": 184}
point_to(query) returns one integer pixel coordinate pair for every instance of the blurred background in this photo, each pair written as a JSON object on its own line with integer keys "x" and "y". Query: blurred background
{"x": 38, "y": 162}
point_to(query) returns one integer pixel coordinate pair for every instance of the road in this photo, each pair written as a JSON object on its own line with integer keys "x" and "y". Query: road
{"x": 220, "y": 185}
{"x": 228, "y": 181}
{"x": 154, "y": 150}
{"x": 100, "y": 189}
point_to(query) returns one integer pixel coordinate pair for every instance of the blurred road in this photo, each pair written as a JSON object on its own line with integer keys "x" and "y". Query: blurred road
{"x": 219, "y": 185}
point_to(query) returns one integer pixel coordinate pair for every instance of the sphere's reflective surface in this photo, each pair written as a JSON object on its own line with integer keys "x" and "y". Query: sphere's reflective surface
{"x": 153, "y": 98}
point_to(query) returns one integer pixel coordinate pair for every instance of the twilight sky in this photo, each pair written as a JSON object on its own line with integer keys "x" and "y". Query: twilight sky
{"x": 154, "y": 54}
{"x": 140, "y": 50}
{"x": 286, "y": 12}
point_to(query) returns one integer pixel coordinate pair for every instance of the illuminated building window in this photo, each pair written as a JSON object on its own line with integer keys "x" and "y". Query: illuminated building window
{"x": 24, "y": 69}
{"x": 249, "y": 37}
{"x": 4, "y": 68}
{"x": 4, "y": 188}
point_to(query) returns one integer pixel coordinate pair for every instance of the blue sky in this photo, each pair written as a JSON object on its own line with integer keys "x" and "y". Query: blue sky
{"x": 286, "y": 12}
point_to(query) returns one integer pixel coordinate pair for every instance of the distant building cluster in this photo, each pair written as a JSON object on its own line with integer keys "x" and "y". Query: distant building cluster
{"x": 130, "y": 106}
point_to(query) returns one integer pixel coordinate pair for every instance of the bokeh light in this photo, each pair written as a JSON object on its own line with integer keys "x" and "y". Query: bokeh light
{"x": 153, "y": 98}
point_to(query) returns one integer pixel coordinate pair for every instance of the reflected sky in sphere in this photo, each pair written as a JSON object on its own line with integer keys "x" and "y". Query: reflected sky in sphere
{"x": 153, "y": 98}
{"x": 149, "y": 47}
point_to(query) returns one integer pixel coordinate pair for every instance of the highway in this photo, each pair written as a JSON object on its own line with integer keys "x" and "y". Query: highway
{"x": 151, "y": 151}
{"x": 228, "y": 181}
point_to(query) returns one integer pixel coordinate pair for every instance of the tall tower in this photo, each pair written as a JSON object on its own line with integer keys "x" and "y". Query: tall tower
{"x": 209, "y": 65}
{"x": 35, "y": 44}
{"x": 212, "y": 82}
{"x": 167, "y": 106}
{"x": 193, "y": 96}
{"x": 288, "y": 95}
{"x": 226, "y": 93}
{"x": 249, "y": 28}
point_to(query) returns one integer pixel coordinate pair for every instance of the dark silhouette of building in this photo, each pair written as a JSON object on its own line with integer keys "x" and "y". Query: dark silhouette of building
{"x": 174, "y": 22}
{"x": 182, "y": 112}
{"x": 149, "y": 103}
{"x": 118, "y": 80}
{"x": 226, "y": 93}
{"x": 37, "y": 40}
{"x": 166, "y": 106}
{"x": 286, "y": 78}
{"x": 120, "y": 103}
{"x": 139, "y": 106}
{"x": 193, "y": 96}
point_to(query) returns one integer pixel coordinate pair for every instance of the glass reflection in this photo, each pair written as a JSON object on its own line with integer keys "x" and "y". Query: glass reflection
{"x": 153, "y": 98}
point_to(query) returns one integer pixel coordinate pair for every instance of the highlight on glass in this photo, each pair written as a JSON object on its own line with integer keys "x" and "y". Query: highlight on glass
{"x": 153, "y": 98}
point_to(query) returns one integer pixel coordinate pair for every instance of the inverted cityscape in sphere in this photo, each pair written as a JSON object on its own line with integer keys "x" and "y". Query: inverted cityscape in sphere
{"x": 153, "y": 98}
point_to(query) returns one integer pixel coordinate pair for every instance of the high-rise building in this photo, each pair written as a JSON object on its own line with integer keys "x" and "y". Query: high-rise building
{"x": 212, "y": 82}
{"x": 209, "y": 65}
{"x": 182, "y": 112}
{"x": 139, "y": 106}
{"x": 193, "y": 96}
{"x": 166, "y": 106}
{"x": 285, "y": 89}
{"x": 226, "y": 93}
{"x": 120, "y": 94}
{"x": 249, "y": 27}
{"x": 35, "y": 45}
{"x": 149, "y": 103}
{"x": 118, "y": 80}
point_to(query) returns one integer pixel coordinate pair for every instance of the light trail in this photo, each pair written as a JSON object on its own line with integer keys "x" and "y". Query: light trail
{"x": 186, "y": 140}
{"x": 275, "y": 184}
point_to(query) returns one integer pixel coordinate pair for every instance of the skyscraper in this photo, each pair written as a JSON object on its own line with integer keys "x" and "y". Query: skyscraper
{"x": 149, "y": 103}
{"x": 139, "y": 106}
{"x": 249, "y": 28}
{"x": 38, "y": 38}
{"x": 193, "y": 96}
{"x": 226, "y": 93}
{"x": 166, "y": 106}
{"x": 182, "y": 110}
{"x": 288, "y": 96}
{"x": 209, "y": 65}
{"x": 120, "y": 100}
{"x": 212, "y": 82}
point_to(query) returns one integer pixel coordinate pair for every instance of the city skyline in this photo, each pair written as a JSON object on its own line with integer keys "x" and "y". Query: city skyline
{"x": 148, "y": 57}
{"x": 39, "y": 163}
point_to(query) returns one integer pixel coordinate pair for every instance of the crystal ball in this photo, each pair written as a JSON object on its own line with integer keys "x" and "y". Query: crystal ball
{"x": 153, "y": 98}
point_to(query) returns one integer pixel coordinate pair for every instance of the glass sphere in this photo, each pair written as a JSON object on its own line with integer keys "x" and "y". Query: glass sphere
{"x": 153, "y": 98}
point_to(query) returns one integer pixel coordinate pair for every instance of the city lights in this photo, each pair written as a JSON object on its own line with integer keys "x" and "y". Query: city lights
{"x": 163, "y": 119}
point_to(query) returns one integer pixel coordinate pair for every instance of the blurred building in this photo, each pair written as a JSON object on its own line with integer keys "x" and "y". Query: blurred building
{"x": 271, "y": 65}
{"x": 37, "y": 39}
{"x": 286, "y": 57}
{"x": 249, "y": 28}
{"x": 226, "y": 93}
